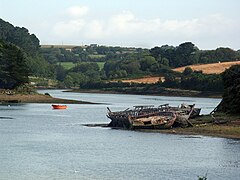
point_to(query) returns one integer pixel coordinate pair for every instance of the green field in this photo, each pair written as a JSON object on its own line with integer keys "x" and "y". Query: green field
{"x": 67, "y": 65}
{"x": 101, "y": 65}
{"x": 96, "y": 56}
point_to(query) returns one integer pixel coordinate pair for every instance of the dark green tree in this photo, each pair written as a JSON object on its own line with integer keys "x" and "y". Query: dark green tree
{"x": 60, "y": 73}
{"x": 231, "y": 97}
{"x": 13, "y": 67}
{"x": 85, "y": 67}
{"x": 29, "y": 45}
{"x": 187, "y": 71}
{"x": 147, "y": 63}
{"x": 184, "y": 54}
{"x": 20, "y": 37}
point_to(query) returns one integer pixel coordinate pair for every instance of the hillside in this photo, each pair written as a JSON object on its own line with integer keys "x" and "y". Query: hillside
{"x": 214, "y": 68}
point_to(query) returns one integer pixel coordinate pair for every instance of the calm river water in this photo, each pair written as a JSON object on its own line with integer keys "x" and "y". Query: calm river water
{"x": 37, "y": 142}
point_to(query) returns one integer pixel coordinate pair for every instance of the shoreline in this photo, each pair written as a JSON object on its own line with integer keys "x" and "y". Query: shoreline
{"x": 214, "y": 131}
{"x": 215, "y": 96}
{"x": 219, "y": 131}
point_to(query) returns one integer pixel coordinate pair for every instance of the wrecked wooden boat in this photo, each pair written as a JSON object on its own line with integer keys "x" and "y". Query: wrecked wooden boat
{"x": 160, "y": 120}
{"x": 150, "y": 117}
{"x": 184, "y": 113}
{"x": 186, "y": 108}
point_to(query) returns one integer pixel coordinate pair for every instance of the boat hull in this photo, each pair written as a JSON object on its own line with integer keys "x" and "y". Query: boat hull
{"x": 159, "y": 126}
{"x": 55, "y": 106}
{"x": 149, "y": 117}
{"x": 160, "y": 120}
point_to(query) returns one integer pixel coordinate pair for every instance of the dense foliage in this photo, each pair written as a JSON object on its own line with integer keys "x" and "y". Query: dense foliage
{"x": 20, "y": 37}
{"x": 13, "y": 69}
{"x": 187, "y": 54}
{"x": 194, "y": 81}
{"x": 231, "y": 96}
{"x": 81, "y": 74}
{"x": 92, "y": 53}
{"x": 29, "y": 44}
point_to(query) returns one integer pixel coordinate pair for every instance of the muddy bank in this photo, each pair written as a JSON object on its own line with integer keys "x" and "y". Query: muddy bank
{"x": 205, "y": 130}
{"x": 37, "y": 98}
{"x": 223, "y": 131}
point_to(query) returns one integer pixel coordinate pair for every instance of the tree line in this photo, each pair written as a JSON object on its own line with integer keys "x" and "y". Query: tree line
{"x": 187, "y": 54}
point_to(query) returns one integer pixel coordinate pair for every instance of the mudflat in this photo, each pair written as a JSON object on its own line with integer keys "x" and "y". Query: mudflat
{"x": 37, "y": 98}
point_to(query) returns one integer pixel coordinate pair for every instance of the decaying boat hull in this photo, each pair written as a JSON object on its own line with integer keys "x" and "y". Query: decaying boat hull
{"x": 148, "y": 117}
{"x": 163, "y": 125}
{"x": 124, "y": 123}
{"x": 160, "y": 126}
{"x": 159, "y": 120}
{"x": 195, "y": 112}
{"x": 119, "y": 122}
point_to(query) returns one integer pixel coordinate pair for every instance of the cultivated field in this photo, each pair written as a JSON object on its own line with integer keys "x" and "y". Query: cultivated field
{"x": 145, "y": 80}
{"x": 215, "y": 68}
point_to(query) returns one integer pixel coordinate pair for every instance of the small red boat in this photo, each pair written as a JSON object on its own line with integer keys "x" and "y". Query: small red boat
{"x": 57, "y": 106}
